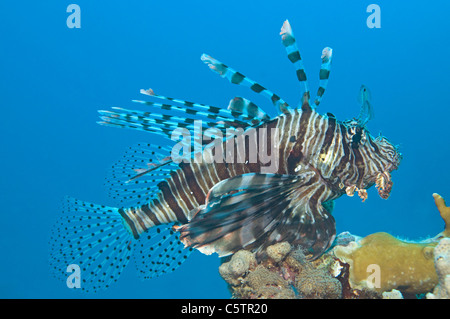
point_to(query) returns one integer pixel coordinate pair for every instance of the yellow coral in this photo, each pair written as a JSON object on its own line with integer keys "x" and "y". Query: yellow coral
{"x": 405, "y": 266}
{"x": 445, "y": 213}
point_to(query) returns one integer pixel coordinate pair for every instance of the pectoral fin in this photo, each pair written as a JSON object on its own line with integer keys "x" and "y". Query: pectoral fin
{"x": 253, "y": 211}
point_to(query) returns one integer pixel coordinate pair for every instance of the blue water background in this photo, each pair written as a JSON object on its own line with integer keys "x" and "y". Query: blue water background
{"x": 54, "y": 79}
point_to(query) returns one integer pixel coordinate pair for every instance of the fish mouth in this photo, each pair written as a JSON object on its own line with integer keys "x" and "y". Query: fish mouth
{"x": 383, "y": 183}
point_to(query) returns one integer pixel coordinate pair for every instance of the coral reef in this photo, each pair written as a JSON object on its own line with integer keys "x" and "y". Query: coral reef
{"x": 393, "y": 294}
{"x": 413, "y": 268}
{"x": 285, "y": 273}
{"x": 234, "y": 270}
{"x": 374, "y": 267}
{"x": 278, "y": 251}
{"x": 265, "y": 284}
{"x": 313, "y": 279}
{"x": 247, "y": 279}
{"x": 442, "y": 263}
{"x": 400, "y": 264}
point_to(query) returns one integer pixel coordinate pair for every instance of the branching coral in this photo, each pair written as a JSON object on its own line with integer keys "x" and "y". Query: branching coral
{"x": 445, "y": 213}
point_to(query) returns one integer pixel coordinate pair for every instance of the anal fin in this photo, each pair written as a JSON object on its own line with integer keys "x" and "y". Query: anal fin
{"x": 159, "y": 251}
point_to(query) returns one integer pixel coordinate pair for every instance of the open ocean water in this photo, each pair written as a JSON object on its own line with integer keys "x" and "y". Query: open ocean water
{"x": 53, "y": 79}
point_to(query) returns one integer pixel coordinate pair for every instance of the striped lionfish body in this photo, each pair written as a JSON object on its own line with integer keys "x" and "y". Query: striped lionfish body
{"x": 250, "y": 182}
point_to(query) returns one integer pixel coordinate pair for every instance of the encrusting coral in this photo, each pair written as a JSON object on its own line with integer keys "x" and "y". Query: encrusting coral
{"x": 284, "y": 273}
{"x": 315, "y": 281}
{"x": 442, "y": 262}
{"x": 393, "y": 294}
{"x": 404, "y": 265}
{"x": 265, "y": 284}
{"x": 234, "y": 270}
{"x": 247, "y": 279}
{"x": 348, "y": 270}
{"x": 407, "y": 266}
{"x": 278, "y": 251}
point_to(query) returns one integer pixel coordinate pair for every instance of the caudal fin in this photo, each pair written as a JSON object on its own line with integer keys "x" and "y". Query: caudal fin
{"x": 94, "y": 238}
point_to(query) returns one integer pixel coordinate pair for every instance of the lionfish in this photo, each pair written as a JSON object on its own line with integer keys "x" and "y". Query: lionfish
{"x": 224, "y": 206}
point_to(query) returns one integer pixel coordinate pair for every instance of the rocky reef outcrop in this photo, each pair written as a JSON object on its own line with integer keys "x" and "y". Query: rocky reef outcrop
{"x": 284, "y": 273}
{"x": 374, "y": 267}
{"x": 442, "y": 263}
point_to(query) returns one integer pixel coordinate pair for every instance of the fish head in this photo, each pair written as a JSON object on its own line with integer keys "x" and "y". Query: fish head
{"x": 389, "y": 157}
{"x": 388, "y": 153}
{"x": 384, "y": 158}
{"x": 377, "y": 158}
